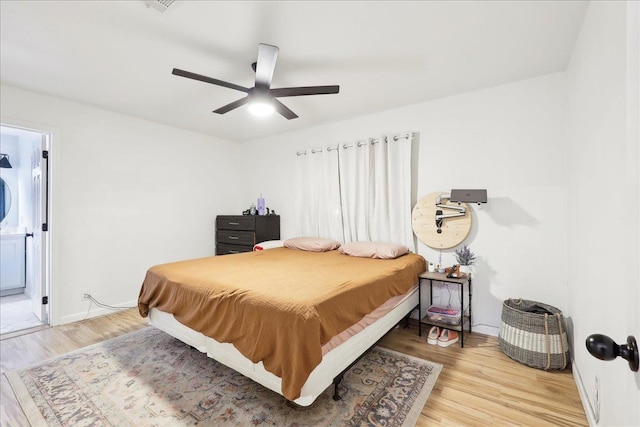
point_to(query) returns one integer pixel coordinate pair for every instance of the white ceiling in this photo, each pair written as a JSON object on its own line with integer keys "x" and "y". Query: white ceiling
{"x": 119, "y": 55}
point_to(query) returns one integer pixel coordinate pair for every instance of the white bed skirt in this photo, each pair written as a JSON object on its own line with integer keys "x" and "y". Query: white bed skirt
{"x": 333, "y": 363}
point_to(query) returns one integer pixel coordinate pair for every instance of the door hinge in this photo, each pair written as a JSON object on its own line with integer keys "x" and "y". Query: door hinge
{"x": 45, "y": 300}
{"x": 45, "y": 227}
{"x": 45, "y": 154}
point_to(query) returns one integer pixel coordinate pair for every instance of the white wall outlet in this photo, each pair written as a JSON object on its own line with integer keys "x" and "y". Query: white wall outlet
{"x": 85, "y": 294}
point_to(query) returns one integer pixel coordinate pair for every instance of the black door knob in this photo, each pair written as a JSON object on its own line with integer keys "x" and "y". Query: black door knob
{"x": 604, "y": 348}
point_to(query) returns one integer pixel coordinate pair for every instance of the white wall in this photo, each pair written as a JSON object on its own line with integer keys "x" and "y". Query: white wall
{"x": 602, "y": 133}
{"x": 126, "y": 194}
{"x": 507, "y": 139}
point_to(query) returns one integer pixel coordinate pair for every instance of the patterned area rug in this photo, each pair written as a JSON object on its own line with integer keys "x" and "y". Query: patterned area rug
{"x": 148, "y": 378}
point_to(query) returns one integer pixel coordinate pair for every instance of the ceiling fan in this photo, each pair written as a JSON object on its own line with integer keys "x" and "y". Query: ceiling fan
{"x": 262, "y": 98}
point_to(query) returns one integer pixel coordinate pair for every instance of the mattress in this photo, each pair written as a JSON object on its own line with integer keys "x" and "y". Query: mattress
{"x": 336, "y": 360}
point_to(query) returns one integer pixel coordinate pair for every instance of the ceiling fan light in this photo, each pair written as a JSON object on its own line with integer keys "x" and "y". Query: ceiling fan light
{"x": 261, "y": 108}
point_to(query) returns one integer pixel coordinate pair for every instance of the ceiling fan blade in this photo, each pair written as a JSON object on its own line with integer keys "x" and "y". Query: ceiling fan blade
{"x": 267, "y": 57}
{"x": 232, "y": 106}
{"x": 284, "y": 110}
{"x": 304, "y": 90}
{"x": 194, "y": 76}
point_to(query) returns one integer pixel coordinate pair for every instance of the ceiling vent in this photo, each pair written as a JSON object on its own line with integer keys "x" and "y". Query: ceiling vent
{"x": 160, "y": 5}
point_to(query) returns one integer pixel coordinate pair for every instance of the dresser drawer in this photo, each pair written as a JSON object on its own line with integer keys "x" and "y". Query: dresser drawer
{"x": 236, "y": 237}
{"x": 222, "y": 249}
{"x": 244, "y": 222}
{"x": 238, "y": 233}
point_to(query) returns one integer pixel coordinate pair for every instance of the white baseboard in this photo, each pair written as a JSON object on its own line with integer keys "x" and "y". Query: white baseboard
{"x": 96, "y": 312}
{"x": 486, "y": 330}
{"x": 584, "y": 396}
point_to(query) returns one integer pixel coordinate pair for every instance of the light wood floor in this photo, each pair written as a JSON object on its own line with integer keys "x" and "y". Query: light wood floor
{"x": 479, "y": 385}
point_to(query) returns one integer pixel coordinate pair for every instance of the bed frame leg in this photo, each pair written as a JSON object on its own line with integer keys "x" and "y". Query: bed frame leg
{"x": 336, "y": 383}
{"x": 337, "y": 380}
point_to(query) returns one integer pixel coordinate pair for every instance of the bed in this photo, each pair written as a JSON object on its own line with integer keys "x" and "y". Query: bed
{"x": 291, "y": 320}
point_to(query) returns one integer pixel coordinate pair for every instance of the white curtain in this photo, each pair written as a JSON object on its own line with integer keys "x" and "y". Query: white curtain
{"x": 318, "y": 194}
{"x": 375, "y": 177}
{"x": 355, "y": 182}
{"x": 363, "y": 191}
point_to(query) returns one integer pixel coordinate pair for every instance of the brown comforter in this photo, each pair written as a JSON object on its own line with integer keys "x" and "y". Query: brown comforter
{"x": 278, "y": 306}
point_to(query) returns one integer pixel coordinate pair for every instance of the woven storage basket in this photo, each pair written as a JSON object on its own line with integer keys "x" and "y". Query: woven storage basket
{"x": 536, "y": 340}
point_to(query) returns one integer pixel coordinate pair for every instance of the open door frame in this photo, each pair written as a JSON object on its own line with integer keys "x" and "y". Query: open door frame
{"x": 40, "y": 240}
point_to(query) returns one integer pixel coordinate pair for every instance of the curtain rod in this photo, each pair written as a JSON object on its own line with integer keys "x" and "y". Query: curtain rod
{"x": 359, "y": 144}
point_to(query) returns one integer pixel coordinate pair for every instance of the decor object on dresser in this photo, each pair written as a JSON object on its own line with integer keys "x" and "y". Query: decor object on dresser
{"x": 239, "y": 233}
{"x": 148, "y": 377}
{"x": 534, "y": 334}
{"x": 261, "y": 206}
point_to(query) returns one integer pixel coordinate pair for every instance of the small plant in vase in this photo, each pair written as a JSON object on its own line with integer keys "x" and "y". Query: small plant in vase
{"x": 465, "y": 258}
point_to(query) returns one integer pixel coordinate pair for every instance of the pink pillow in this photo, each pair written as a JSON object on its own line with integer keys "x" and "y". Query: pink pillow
{"x": 312, "y": 244}
{"x": 382, "y": 250}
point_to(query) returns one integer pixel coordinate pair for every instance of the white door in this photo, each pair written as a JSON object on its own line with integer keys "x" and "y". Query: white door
{"x": 39, "y": 194}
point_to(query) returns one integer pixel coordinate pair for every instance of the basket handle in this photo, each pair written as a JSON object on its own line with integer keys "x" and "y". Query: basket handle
{"x": 548, "y": 343}
{"x": 562, "y": 347}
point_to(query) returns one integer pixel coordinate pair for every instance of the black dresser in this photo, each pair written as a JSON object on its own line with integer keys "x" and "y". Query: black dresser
{"x": 238, "y": 233}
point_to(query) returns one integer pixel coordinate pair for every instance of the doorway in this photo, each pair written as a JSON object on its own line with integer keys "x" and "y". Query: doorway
{"x": 24, "y": 243}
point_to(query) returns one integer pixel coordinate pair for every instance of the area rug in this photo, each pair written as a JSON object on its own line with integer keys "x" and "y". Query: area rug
{"x": 148, "y": 378}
